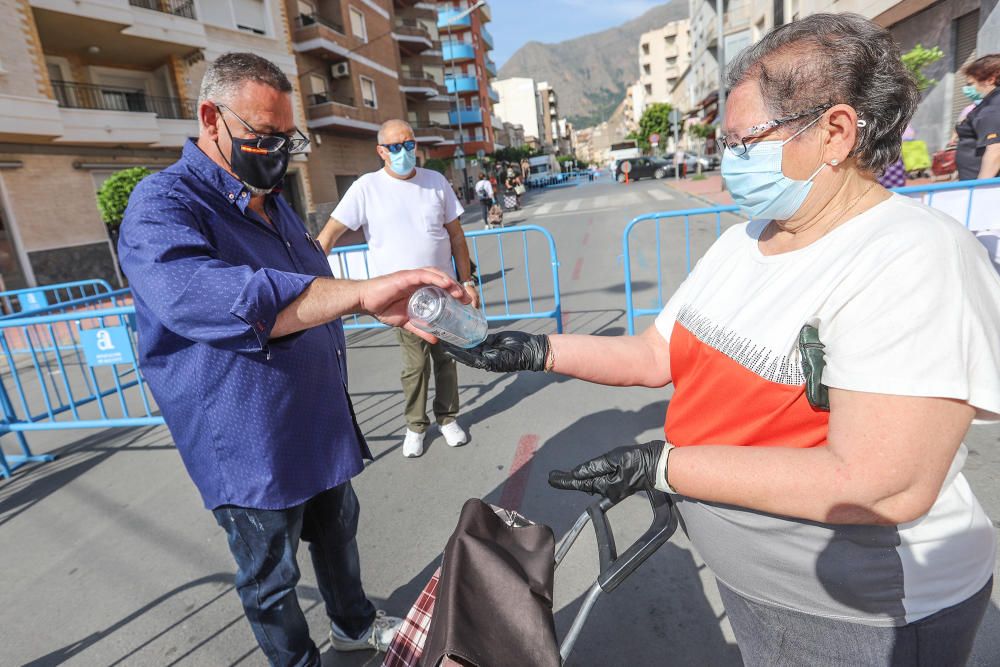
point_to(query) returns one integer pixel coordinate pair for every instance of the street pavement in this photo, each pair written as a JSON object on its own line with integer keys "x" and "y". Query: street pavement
{"x": 110, "y": 559}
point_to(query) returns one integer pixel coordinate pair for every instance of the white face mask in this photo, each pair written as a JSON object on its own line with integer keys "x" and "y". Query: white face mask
{"x": 759, "y": 186}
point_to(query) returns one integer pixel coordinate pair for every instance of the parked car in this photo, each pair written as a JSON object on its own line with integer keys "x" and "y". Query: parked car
{"x": 643, "y": 167}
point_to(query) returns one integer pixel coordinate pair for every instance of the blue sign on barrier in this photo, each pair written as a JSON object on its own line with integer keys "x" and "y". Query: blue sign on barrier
{"x": 107, "y": 346}
{"x": 33, "y": 300}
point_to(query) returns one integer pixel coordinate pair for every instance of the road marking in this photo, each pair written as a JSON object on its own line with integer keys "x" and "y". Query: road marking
{"x": 600, "y": 200}
{"x": 577, "y": 268}
{"x": 589, "y": 210}
{"x": 517, "y": 481}
{"x": 662, "y": 195}
{"x": 573, "y": 205}
{"x": 565, "y": 320}
{"x": 544, "y": 208}
{"x": 586, "y": 237}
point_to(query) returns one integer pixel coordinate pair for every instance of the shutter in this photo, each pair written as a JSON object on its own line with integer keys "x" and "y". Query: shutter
{"x": 250, "y": 16}
{"x": 966, "y": 29}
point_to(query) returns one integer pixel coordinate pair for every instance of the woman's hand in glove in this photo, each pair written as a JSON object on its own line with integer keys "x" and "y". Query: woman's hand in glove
{"x": 615, "y": 475}
{"x": 505, "y": 352}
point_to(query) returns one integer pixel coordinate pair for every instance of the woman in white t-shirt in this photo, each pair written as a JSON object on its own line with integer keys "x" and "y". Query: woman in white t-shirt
{"x": 828, "y": 501}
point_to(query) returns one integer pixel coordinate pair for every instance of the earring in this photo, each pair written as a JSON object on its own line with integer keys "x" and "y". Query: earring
{"x": 834, "y": 162}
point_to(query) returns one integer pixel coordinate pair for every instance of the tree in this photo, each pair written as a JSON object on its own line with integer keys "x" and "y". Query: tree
{"x": 112, "y": 197}
{"x": 655, "y": 120}
{"x": 437, "y": 164}
{"x": 916, "y": 59}
{"x": 509, "y": 154}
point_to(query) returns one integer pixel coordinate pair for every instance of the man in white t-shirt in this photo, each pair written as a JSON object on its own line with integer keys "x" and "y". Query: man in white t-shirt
{"x": 410, "y": 217}
{"x": 484, "y": 193}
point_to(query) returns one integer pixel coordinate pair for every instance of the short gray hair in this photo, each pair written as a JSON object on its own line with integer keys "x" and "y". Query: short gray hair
{"x": 391, "y": 123}
{"x": 224, "y": 77}
{"x": 828, "y": 59}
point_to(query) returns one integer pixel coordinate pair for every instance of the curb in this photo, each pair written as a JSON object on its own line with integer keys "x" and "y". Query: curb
{"x": 700, "y": 198}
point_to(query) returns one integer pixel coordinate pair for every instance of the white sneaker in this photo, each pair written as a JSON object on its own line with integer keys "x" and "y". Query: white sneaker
{"x": 413, "y": 444}
{"x": 454, "y": 435}
{"x": 379, "y": 635}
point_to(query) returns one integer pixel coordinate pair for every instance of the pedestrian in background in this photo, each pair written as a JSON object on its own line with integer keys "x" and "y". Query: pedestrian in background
{"x": 241, "y": 343}
{"x": 485, "y": 193}
{"x": 411, "y": 219}
{"x": 823, "y": 383}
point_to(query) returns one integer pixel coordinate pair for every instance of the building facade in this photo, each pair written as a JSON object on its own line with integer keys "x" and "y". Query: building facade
{"x": 518, "y": 104}
{"x": 89, "y": 87}
{"x": 664, "y": 55}
{"x": 466, "y": 44}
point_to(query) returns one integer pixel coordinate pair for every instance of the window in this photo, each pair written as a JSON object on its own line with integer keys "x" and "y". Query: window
{"x": 645, "y": 49}
{"x": 358, "y": 27}
{"x": 317, "y": 89}
{"x": 649, "y": 88}
{"x": 670, "y": 40}
{"x": 368, "y": 93}
{"x": 306, "y": 8}
{"x": 646, "y": 69}
{"x": 250, "y": 16}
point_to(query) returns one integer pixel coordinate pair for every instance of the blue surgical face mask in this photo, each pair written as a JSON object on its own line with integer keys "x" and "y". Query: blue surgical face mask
{"x": 972, "y": 93}
{"x": 403, "y": 162}
{"x": 757, "y": 184}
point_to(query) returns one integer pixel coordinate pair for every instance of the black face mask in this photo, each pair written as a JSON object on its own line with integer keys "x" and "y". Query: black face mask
{"x": 258, "y": 168}
{"x": 261, "y": 169}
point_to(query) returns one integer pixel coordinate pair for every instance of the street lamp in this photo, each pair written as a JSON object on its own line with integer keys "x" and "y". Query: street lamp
{"x": 721, "y": 103}
{"x": 458, "y": 112}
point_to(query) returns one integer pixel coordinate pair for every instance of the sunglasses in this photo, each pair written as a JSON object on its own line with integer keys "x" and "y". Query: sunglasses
{"x": 395, "y": 148}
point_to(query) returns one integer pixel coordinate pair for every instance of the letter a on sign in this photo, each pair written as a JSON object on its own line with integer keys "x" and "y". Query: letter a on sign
{"x": 104, "y": 340}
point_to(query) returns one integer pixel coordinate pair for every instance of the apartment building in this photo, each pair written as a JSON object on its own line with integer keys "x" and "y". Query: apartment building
{"x": 518, "y": 104}
{"x": 548, "y": 106}
{"x": 466, "y": 43}
{"x": 664, "y": 56}
{"x": 702, "y": 77}
{"x": 88, "y": 87}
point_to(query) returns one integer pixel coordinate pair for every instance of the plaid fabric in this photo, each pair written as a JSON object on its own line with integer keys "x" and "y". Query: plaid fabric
{"x": 408, "y": 644}
{"x": 894, "y": 175}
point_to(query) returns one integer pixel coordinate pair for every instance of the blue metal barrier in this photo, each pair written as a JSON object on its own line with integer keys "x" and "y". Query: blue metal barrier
{"x": 498, "y": 300}
{"x": 72, "y": 370}
{"x": 960, "y": 201}
{"x": 34, "y": 299}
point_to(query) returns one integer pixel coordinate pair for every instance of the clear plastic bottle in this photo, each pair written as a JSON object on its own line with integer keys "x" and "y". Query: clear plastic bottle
{"x": 435, "y": 311}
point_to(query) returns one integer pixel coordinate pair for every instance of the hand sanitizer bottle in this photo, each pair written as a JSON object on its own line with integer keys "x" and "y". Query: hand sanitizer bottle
{"x": 433, "y": 310}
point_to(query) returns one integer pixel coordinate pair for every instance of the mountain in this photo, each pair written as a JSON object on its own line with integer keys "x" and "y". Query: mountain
{"x": 590, "y": 73}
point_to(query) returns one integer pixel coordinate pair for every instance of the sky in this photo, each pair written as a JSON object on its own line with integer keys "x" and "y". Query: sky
{"x": 518, "y": 21}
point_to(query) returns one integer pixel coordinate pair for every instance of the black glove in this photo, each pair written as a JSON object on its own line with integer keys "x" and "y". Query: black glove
{"x": 505, "y": 352}
{"x": 615, "y": 475}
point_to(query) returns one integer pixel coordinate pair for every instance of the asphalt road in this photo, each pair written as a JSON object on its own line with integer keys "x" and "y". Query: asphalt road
{"x": 109, "y": 558}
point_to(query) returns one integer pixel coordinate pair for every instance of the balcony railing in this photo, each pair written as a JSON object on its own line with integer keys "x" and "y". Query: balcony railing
{"x": 306, "y": 20}
{"x": 109, "y": 98}
{"x": 487, "y": 37}
{"x": 322, "y": 98}
{"x": 183, "y": 8}
{"x": 462, "y": 84}
{"x": 417, "y": 74}
{"x": 457, "y": 51}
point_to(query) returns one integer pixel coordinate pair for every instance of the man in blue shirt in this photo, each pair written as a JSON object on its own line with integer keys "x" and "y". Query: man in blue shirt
{"x": 242, "y": 346}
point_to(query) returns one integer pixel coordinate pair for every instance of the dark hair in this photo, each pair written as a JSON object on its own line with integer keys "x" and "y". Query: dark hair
{"x": 827, "y": 59}
{"x": 985, "y": 69}
{"x": 231, "y": 70}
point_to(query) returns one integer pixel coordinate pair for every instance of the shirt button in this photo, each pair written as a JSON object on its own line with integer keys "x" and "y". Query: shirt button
{"x": 338, "y": 353}
{"x": 242, "y": 195}
{"x": 288, "y": 243}
{"x": 231, "y": 196}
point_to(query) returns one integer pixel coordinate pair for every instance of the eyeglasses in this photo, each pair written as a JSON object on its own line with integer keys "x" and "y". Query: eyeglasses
{"x": 409, "y": 145}
{"x": 271, "y": 143}
{"x": 737, "y": 143}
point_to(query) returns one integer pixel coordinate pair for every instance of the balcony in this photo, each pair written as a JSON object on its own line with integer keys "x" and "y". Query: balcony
{"x": 309, "y": 20}
{"x": 418, "y": 81}
{"x": 487, "y": 37}
{"x": 491, "y": 67}
{"x": 493, "y": 95}
{"x": 132, "y": 31}
{"x": 341, "y": 114}
{"x": 457, "y": 51}
{"x": 71, "y": 95}
{"x": 485, "y": 14}
{"x": 432, "y": 133}
{"x": 462, "y": 84}
{"x": 183, "y": 8}
{"x": 468, "y": 116}
{"x": 412, "y": 36}
{"x": 446, "y": 18}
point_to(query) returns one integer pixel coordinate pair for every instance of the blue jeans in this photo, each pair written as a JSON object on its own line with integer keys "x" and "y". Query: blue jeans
{"x": 264, "y": 543}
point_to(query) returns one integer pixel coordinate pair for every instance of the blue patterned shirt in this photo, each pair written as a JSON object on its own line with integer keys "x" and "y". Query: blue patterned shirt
{"x": 259, "y": 422}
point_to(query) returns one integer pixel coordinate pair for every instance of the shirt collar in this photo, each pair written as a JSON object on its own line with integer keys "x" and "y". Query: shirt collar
{"x": 215, "y": 176}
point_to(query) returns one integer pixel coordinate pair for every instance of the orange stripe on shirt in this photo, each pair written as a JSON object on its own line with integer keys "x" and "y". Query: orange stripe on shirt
{"x": 717, "y": 401}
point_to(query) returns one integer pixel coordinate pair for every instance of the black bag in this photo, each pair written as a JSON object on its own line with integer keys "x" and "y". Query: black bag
{"x": 494, "y": 600}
